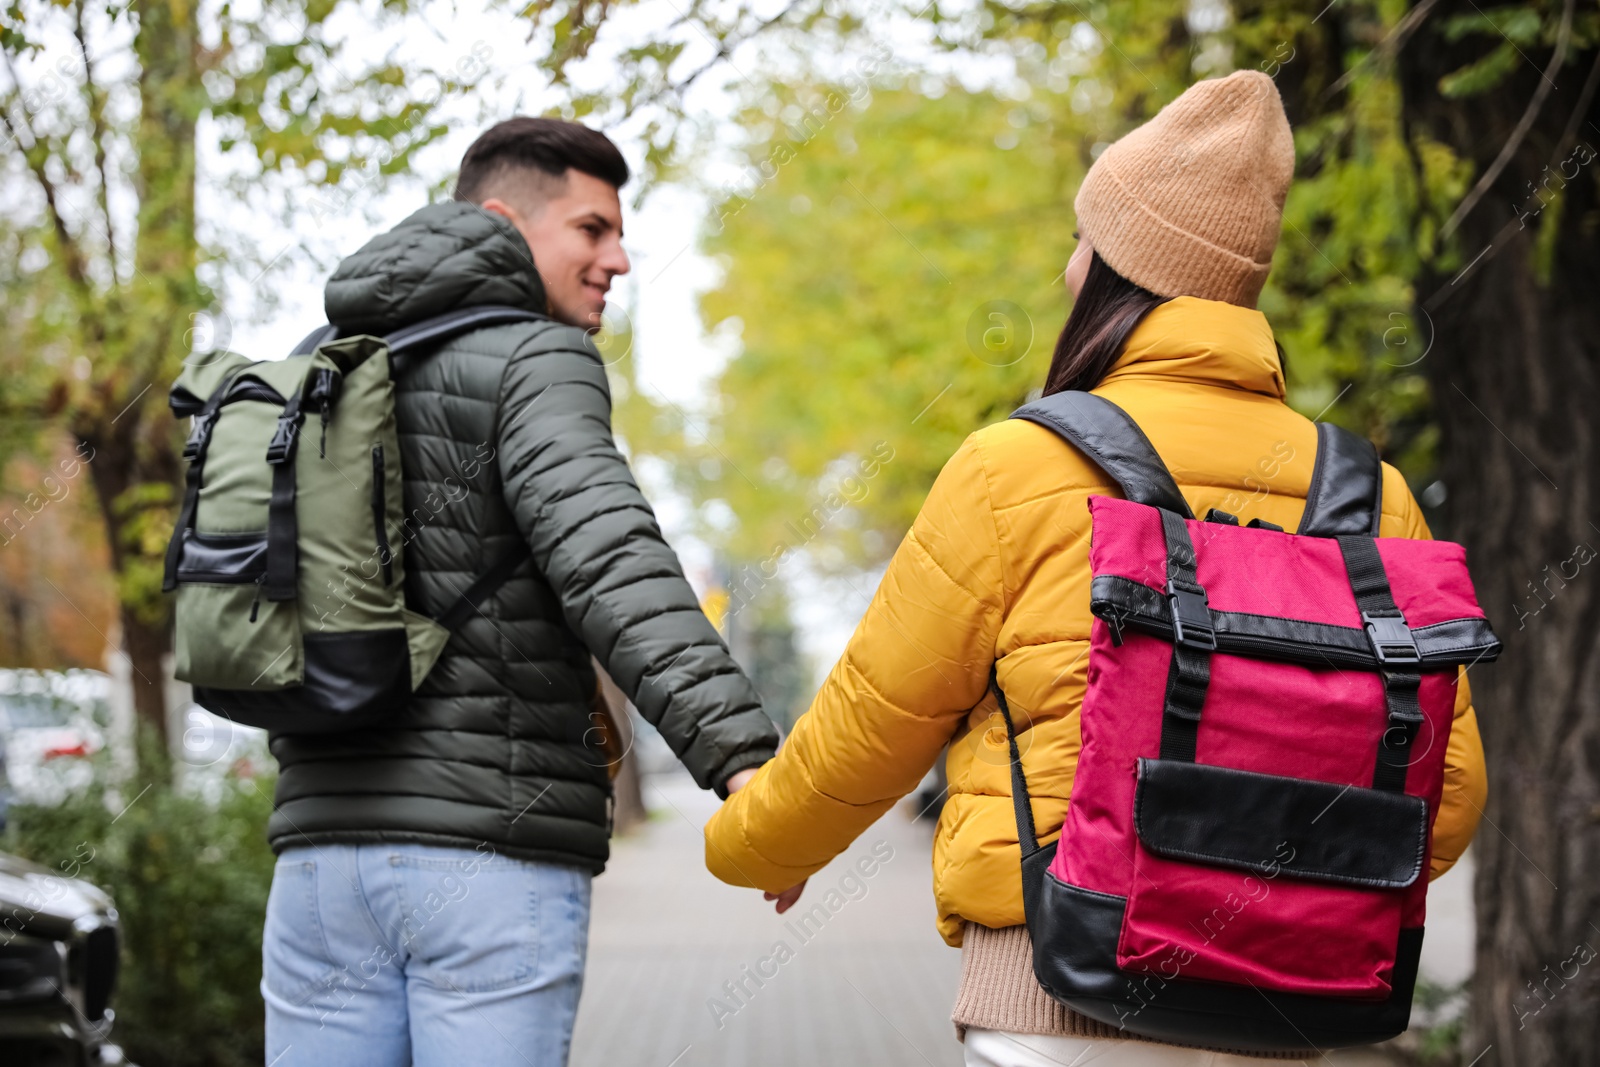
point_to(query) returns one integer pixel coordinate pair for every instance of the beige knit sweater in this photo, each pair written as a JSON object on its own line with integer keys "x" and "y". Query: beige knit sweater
{"x": 999, "y": 992}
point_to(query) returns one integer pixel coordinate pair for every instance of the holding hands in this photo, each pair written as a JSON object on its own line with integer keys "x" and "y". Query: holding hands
{"x": 787, "y": 898}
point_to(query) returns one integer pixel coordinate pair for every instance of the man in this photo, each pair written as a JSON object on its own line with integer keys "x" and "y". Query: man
{"x": 431, "y": 898}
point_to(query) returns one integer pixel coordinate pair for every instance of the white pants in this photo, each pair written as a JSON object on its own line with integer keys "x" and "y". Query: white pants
{"x": 997, "y": 1048}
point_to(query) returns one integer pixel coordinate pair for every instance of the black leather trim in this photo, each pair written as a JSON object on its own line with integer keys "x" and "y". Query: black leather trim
{"x": 222, "y": 559}
{"x": 245, "y": 386}
{"x": 1346, "y": 494}
{"x": 1107, "y": 435}
{"x": 1034, "y": 866}
{"x": 183, "y": 403}
{"x": 1240, "y": 819}
{"x": 248, "y": 387}
{"x": 1463, "y": 640}
{"x": 1127, "y": 604}
{"x": 353, "y": 679}
{"x": 1075, "y": 935}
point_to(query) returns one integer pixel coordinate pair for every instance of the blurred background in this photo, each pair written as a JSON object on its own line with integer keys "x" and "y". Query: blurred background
{"x": 848, "y": 229}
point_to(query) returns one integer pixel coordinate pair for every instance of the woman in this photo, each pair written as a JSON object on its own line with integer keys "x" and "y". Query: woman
{"x": 1178, "y": 222}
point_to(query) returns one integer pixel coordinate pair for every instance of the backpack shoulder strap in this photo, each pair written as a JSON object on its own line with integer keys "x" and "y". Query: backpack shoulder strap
{"x": 315, "y": 339}
{"x": 1346, "y": 494}
{"x": 431, "y": 331}
{"x": 441, "y": 328}
{"x": 1106, "y": 434}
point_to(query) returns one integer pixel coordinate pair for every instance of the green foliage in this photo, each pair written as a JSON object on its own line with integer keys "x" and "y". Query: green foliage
{"x": 869, "y": 250}
{"x": 1438, "y": 1027}
{"x": 891, "y": 285}
{"x": 1339, "y": 297}
{"x": 190, "y": 880}
{"x": 1482, "y": 75}
{"x": 652, "y": 78}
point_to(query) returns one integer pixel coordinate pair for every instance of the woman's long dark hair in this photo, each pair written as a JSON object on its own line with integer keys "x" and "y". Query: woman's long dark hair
{"x": 1108, "y": 307}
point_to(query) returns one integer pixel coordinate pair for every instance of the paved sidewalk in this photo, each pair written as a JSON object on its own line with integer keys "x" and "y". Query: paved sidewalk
{"x": 869, "y": 983}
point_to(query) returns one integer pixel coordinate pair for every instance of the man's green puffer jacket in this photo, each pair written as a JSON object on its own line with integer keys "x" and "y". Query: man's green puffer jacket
{"x": 505, "y": 435}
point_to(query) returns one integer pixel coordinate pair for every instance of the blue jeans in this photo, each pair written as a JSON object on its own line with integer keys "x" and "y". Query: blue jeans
{"x": 387, "y": 955}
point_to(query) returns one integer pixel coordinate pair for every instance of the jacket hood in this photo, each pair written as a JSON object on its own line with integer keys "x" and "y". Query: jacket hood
{"x": 1203, "y": 342}
{"x": 443, "y": 257}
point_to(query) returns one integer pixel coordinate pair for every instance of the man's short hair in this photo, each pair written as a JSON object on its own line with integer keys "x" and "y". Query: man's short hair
{"x": 547, "y": 148}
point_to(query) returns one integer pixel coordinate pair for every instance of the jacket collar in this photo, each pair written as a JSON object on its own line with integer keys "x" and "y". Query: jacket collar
{"x": 1203, "y": 342}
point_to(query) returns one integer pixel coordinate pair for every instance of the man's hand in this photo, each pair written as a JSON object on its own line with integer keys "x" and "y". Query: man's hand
{"x": 740, "y": 779}
{"x": 786, "y": 898}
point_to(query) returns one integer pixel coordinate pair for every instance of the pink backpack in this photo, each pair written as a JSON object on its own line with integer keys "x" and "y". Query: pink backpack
{"x": 1244, "y": 860}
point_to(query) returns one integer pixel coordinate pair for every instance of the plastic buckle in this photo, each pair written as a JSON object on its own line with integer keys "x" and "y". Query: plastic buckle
{"x": 1391, "y": 638}
{"x": 282, "y": 446}
{"x": 1191, "y": 617}
{"x": 199, "y": 435}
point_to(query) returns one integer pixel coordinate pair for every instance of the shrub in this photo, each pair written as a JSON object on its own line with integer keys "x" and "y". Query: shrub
{"x": 189, "y": 876}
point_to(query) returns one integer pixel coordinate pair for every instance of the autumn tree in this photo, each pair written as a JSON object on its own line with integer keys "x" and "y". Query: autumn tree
{"x": 107, "y": 285}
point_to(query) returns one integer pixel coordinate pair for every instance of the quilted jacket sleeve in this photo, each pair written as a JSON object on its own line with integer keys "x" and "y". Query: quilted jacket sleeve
{"x": 621, "y": 587}
{"x": 915, "y": 666}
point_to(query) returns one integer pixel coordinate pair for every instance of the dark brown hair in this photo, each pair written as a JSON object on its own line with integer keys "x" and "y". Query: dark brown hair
{"x": 550, "y": 146}
{"x": 1108, "y": 307}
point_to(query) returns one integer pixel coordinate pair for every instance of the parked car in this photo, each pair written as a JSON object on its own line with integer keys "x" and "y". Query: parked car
{"x": 51, "y": 723}
{"x": 58, "y": 964}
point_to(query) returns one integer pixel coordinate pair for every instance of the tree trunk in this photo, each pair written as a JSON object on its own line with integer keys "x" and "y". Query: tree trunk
{"x": 128, "y": 439}
{"x": 124, "y": 470}
{"x": 147, "y": 645}
{"x": 1515, "y": 386}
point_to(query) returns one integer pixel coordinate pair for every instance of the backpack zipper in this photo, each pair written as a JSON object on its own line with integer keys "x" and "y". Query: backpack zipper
{"x": 379, "y": 523}
{"x": 255, "y": 601}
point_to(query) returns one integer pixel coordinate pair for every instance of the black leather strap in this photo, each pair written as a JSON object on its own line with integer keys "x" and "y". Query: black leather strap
{"x": 194, "y": 450}
{"x": 1027, "y": 835}
{"x": 1346, "y": 494}
{"x": 1036, "y": 858}
{"x": 441, "y": 328}
{"x": 484, "y": 584}
{"x": 1126, "y": 605}
{"x": 316, "y": 339}
{"x": 431, "y": 331}
{"x": 1194, "y": 639}
{"x": 282, "y": 527}
{"x": 1104, "y": 432}
{"x": 1398, "y": 659}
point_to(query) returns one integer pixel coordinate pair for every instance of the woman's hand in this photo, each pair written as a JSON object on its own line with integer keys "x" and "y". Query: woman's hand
{"x": 786, "y": 898}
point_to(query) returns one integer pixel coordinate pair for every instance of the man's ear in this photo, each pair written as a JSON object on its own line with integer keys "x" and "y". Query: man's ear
{"x": 504, "y": 210}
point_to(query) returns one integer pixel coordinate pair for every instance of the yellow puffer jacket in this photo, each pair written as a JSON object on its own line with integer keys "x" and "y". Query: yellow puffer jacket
{"x": 996, "y": 569}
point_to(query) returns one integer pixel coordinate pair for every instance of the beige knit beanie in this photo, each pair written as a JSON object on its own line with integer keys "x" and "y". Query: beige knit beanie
{"x": 1190, "y": 203}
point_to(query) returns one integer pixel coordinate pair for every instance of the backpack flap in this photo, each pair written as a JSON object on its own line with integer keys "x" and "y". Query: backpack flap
{"x": 228, "y": 632}
{"x": 1318, "y": 831}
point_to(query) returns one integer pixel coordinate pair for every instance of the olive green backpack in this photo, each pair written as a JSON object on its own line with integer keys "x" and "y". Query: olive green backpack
{"x": 287, "y": 560}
